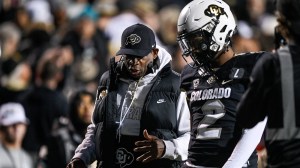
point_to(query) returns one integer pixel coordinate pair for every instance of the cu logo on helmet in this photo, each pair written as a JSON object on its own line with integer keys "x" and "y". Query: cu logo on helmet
{"x": 214, "y": 10}
{"x": 133, "y": 39}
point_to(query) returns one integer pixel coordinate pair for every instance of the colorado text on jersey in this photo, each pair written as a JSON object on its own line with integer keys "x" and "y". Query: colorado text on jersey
{"x": 209, "y": 94}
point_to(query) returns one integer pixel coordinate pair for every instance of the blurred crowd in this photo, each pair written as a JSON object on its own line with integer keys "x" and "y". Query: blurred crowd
{"x": 53, "y": 53}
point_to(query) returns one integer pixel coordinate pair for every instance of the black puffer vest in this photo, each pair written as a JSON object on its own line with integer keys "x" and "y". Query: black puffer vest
{"x": 160, "y": 119}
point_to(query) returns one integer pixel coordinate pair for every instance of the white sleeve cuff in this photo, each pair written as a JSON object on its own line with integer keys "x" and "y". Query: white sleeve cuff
{"x": 169, "y": 150}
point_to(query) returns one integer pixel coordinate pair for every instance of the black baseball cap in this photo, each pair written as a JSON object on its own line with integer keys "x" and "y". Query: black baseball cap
{"x": 137, "y": 40}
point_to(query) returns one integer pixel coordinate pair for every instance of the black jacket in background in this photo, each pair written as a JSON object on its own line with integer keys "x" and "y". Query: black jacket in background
{"x": 42, "y": 107}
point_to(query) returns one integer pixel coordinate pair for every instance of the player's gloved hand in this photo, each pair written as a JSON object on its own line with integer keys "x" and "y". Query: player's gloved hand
{"x": 152, "y": 147}
{"x": 76, "y": 163}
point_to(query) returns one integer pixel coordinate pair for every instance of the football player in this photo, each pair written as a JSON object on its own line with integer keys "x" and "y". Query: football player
{"x": 275, "y": 81}
{"x": 215, "y": 82}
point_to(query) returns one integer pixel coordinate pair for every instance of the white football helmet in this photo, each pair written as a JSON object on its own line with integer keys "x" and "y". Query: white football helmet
{"x": 205, "y": 28}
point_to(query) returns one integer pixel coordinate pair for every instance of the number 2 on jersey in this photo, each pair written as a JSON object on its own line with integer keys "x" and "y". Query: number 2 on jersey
{"x": 213, "y": 110}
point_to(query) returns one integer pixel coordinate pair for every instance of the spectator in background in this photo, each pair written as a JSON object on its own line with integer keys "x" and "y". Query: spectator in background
{"x": 81, "y": 109}
{"x": 43, "y": 106}
{"x": 106, "y": 9}
{"x": 148, "y": 13}
{"x": 67, "y": 134}
{"x": 89, "y": 47}
{"x": 63, "y": 58}
{"x": 37, "y": 42}
{"x": 39, "y": 34}
{"x": 257, "y": 16}
{"x": 13, "y": 125}
{"x": 23, "y": 21}
{"x": 40, "y": 13}
{"x": 8, "y": 9}
{"x": 167, "y": 34}
{"x": 10, "y": 36}
{"x": 243, "y": 44}
{"x": 117, "y": 24}
{"x": 274, "y": 91}
{"x": 15, "y": 74}
{"x": 14, "y": 81}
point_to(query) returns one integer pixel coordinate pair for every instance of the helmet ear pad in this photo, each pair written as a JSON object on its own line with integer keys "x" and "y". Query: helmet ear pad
{"x": 228, "y": 37}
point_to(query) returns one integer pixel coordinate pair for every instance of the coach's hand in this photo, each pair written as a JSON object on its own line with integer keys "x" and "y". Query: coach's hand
{"x": 76, "y": 163}
{"x": 152, "y": 147}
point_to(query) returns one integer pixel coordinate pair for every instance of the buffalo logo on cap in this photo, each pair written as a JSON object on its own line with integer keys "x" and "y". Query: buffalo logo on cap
{"x": 214, "y": 10}
{"x": 133, "y": 39}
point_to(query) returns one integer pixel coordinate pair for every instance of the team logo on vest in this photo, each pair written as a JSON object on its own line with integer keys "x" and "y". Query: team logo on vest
{"x": 133, "y": 39}
{"x": 214, "y": 10}
{"x": 209, "y": 94}
{"x": 124, "y": 157}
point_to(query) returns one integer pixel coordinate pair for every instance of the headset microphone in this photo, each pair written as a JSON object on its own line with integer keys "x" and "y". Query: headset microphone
{"x": 203, "y": 47}
{"x": 150, "y": 65}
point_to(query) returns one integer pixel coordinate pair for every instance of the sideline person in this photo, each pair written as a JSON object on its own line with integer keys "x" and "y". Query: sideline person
{"x": 143, "y": 119}
{"x": 13, "y": 125}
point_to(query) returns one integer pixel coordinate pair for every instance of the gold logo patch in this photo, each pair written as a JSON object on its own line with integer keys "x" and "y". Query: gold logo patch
{"x": 214, "y": 10}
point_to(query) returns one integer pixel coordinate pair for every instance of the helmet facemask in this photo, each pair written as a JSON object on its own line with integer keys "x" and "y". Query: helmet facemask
{"x": 199, "y": 44}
